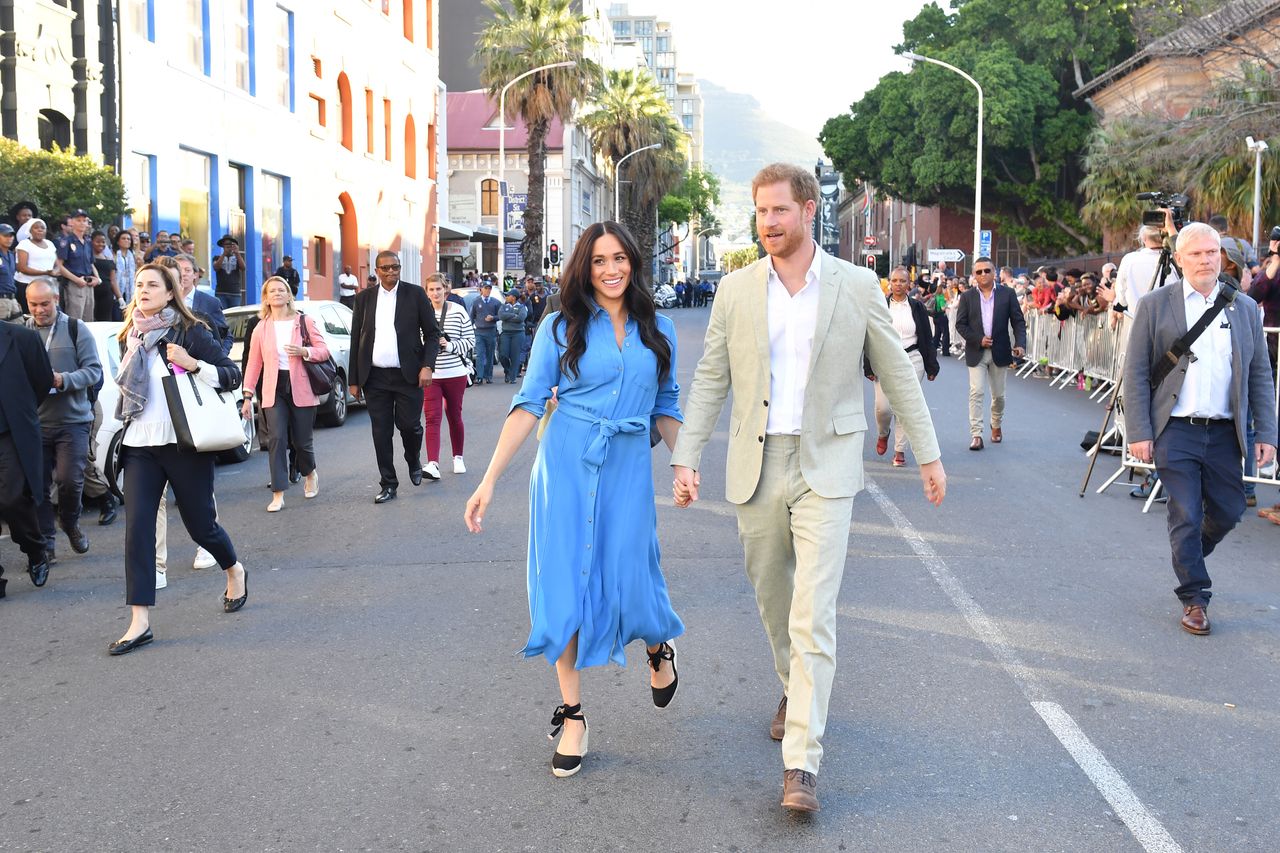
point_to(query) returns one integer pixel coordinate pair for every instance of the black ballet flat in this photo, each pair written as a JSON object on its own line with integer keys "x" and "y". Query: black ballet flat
{"x": 123, "y": 647}
{"x": 231, "y": 605}
{"x": 662, "y": 696}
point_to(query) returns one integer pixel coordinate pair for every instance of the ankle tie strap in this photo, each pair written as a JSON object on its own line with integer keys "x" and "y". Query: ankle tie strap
{"x": 562, "y": 713}
{"x": 664, "y": 652}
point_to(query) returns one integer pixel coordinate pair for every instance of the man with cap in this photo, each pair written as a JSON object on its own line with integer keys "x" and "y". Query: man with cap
{"x": 289, "y": 274}
{"x": 228, "y": 269}
{"x": 484, "y": 316}
{"x": 10, "y": 309}
{"x": 79, "y": 277}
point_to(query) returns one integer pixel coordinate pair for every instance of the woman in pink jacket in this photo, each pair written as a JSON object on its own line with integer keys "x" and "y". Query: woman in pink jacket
{"x": 276, "y": 354}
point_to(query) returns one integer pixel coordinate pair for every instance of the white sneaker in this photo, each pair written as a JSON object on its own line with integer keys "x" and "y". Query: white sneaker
{"x": 432, "y": 470}
{"x": 203, "y": 560}
{"x": 162, "y": 579}
{"x": 458, "y": 466}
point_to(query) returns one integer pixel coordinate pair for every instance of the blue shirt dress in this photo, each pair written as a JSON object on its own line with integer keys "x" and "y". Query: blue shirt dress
{"x": 594, "y": 562}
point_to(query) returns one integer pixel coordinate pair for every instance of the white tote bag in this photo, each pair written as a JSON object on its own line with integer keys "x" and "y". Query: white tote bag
{"x": 204, "y": 420}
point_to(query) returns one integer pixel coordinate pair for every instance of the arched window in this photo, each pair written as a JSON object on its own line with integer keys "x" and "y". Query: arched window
{"x": 410, "y": 148}
{"x": 54, "y": 129}
{"x": 488, "y": 197}
{"x": 344, "y": 104}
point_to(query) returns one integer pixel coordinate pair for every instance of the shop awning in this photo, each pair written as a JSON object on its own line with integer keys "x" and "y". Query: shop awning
{"x": 453, "y": 231}
{"x": 489, "y": 234}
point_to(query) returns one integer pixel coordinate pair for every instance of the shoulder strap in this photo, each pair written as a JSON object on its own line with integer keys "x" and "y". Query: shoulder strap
{"x": 73, "y": 326}
{"x": 1182, "y": 346}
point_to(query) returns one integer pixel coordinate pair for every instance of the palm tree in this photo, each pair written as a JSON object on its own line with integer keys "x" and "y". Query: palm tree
{"x": 630, "y": 111}
{"x": 527, "y": 35}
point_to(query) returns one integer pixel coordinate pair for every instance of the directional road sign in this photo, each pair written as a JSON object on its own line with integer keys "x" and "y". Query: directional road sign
{"x": 948, "y": 255}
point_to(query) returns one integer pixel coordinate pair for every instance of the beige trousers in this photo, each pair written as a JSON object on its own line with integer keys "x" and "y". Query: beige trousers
{"x": 884, "y": 412}
{"x": 78, "y": 302}
{"x": 795, "y": 543}
{"x": 986, "y": 373}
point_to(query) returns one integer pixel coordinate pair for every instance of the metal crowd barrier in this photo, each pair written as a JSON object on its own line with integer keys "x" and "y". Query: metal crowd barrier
{"x": 1075, "y": 348}
{"x": 1271, "y": 478}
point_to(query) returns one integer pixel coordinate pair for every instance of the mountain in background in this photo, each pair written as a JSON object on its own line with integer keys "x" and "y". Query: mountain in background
{"x": 740, "y": 138}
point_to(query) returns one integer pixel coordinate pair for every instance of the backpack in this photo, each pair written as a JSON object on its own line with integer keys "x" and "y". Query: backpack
{"x": 73, "y": 326}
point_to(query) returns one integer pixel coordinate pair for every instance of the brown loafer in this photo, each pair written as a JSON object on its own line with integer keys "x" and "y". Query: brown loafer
{"x": 1195, "y": 619}
{"x": 882, "y": 444}
{"x": 997, "y": 435}
{"x": 976, "y": 444}
{"x": 778, "y": 725}
{"x": 800, "y": 791}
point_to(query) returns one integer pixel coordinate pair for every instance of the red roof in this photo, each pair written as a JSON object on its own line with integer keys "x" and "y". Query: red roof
{"x": 470, "y": 112}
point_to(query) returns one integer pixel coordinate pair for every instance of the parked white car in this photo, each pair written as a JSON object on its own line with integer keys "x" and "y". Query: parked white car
{"x": 664, "y": 296}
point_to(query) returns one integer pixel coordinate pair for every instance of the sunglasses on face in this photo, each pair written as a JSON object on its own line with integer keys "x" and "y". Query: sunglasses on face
{"x": 389, "y": 268}
{"x": 983, "y": 272}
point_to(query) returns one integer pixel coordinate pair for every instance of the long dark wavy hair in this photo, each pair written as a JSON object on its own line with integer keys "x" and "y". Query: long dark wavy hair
{"x": 576, "y": 290}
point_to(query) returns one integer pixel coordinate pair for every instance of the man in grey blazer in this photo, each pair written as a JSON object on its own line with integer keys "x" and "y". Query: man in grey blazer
{"x": 1193, "y": 423}
{"x": 786, "y": 335}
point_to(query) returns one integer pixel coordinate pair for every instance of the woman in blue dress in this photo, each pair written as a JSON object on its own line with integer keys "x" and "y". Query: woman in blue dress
{"x": 595, "y": 581}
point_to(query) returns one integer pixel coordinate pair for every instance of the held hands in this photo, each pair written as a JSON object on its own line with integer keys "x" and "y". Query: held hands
{"x": 477, "y": 504}
{"x": 934, "y": 480}
{"x": 685, "y": 485}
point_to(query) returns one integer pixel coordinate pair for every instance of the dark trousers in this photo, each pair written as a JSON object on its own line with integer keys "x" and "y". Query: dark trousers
{"x": 511, "y": 354}
{"x": 66, "y": 448}
{"x": 289, "y": 425}
{"x": 230, "y": 300}
{"x": 1200, "y": 469}
{"x": 486, "y": 353}
{"x": 147, "y": 470}
{"x": 17, "y": 505}
{"x": 942, "y": 333}
{"x": 394, "y": 405}
{"x": 349, "y": 301}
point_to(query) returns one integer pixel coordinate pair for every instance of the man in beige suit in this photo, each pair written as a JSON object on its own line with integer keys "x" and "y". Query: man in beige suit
{"x": 787, "y": 336}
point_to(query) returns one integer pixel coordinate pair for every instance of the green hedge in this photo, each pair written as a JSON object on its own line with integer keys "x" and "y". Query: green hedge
{"x": 60, "y": 181}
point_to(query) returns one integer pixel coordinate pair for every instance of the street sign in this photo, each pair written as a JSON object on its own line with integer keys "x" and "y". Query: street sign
{"x": 869, "y": 240}
{"x": 946, "y": 255}
{"x": 873, "y": 251}
{"x": 514, "y": 260}
{"x": 984, "y": 244}
{"x": 516, "y": 204}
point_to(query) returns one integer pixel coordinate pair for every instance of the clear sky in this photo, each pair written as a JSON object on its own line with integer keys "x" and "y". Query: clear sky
{"x": 804, "y": 60}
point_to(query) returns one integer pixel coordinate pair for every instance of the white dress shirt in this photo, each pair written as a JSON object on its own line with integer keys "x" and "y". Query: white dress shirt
{"x": 904, "y": 322}
{"x": 792, "y": 320}
{"x": 386, "y": 351}
{"x": 1133, "y": 277}
{"x": 1206, "y": 389}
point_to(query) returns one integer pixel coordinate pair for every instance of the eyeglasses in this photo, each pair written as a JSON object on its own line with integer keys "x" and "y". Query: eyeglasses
{"x": 389, "y": 268}
{"x": 983, "y": 272}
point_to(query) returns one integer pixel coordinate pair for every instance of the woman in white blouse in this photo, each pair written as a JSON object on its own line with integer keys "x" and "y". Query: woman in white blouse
{"x": 159, "y": 331}
{"x": 449, "y": 379}
{"x": 276, "y": 354}
{"x": 37, "y": 257}
{"x": 911, "y": 321}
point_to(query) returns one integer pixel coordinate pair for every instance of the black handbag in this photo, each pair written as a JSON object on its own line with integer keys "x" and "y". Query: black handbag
{"x": 320, "y": 374}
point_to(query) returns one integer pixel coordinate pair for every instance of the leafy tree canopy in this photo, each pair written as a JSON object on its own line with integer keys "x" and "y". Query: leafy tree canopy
{"x": 60, "y": 181}
{"x": 914, "y": 134}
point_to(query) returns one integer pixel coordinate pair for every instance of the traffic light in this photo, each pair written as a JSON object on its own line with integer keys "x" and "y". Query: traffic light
{"x": 554, "y": 252}
{"x": 909, "y": 259}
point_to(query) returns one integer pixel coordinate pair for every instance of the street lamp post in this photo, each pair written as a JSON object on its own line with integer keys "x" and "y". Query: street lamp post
{"x": 977, "y": 182}
{"x": 617, "y": 174}
{"x": 502, "y": 163}
{"x": 1257, "y": 146}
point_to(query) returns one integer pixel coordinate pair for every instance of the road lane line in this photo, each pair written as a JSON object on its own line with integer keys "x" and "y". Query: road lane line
{"x": 1146, "y": 829}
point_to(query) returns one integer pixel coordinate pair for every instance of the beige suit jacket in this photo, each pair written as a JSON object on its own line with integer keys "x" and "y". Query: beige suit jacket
{"x": 852, "y": 317}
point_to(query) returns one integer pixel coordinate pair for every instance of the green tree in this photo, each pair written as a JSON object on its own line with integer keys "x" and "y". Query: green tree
{"x": 674, "y": 209}
{"x": 526, "y": 35}
{"x": 60, "y": 181}
{"x": 914, "y": 134}
{"x": 630, "y": 111}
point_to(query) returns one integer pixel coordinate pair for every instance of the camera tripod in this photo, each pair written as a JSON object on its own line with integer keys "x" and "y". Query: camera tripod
{"x": 1115, "y": 405}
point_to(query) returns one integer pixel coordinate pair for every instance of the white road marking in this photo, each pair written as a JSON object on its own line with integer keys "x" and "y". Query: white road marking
{"x": 1146, "y": 829}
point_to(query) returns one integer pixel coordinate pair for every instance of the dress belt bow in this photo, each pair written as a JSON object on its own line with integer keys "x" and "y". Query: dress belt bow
{"x": 605, "y": 429}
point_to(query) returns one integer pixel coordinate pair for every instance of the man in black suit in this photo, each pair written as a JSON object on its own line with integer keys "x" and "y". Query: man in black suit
{"x": 394, "y": 341}
{"x": 25, "y": 380}
{"x": 984, "y": 317}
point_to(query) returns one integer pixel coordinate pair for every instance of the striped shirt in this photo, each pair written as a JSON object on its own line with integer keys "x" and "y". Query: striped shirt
{"x": 456, "y": 326}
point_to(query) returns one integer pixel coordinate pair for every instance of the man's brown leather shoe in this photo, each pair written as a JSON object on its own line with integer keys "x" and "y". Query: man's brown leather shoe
{"x": 976, "y": 444}
{"x": 882, "y": 444}
{"x": 1195, "y": 619}
{"x": 997, "y": 435}
{"x": 800, "y": 791}
{"x": 778, "y": 725}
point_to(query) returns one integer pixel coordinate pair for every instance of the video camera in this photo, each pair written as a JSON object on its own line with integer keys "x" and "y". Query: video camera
{"x": 1175, "y": 202}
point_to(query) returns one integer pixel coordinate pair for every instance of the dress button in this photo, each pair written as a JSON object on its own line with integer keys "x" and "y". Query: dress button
{"x": 766, "y": 404}
{"x": 593, "y": 494}
{"x": 588, "y": 521}
{"x": 761, "y": 438}
{"x": 615, "y": 393}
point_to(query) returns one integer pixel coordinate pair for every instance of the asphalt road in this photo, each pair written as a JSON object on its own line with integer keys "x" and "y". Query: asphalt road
{"x": 1011, "y": 673}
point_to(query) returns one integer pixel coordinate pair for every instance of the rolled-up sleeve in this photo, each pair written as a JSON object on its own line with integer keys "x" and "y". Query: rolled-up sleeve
{"x": 542, "y": 373}
{"x": 667, "y": 403}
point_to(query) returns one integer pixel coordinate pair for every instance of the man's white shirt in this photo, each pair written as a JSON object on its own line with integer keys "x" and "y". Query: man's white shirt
{"x": 1133, "y": 277}
{"x": 385, "y": 350}
{"x": 1206, "y": 389}
{"x": 792, "y": 321}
